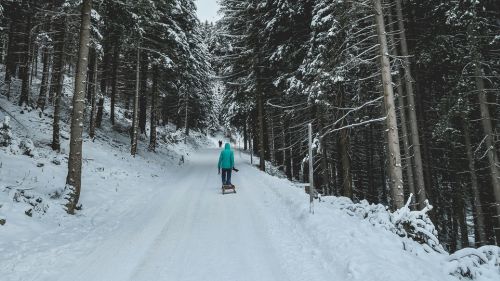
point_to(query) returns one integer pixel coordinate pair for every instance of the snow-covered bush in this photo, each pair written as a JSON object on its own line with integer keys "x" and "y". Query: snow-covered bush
{"x": 24, "y": 146}
{"x": 472, "y": 263}
{"x": 35, "y": 203}
{"x": 415, "y": 225}
{"x": 5, "y": 132}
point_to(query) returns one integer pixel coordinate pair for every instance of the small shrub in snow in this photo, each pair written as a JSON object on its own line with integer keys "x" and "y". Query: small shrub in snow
{"x": 5, "y": 133}
{"x": 27, "y": 147}
{"x": 36, "y": 203}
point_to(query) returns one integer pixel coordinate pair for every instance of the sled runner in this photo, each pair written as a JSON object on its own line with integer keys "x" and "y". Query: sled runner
{"x": 228, "y": 187}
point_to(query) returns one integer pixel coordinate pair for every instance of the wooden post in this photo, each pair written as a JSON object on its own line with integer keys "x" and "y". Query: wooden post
{"x": 311, "y": 172}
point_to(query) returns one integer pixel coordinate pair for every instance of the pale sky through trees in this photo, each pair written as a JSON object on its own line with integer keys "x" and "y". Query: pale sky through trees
{"x": 207, "y": 10}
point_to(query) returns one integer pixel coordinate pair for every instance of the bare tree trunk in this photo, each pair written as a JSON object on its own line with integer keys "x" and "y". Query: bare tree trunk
{"x": 489, "y": 140}
{"x": 271, "y": 131}
{"x": 394, "y": 157}
{"x": 324, "y": 167}
{"x": 479, "y": 216}
{"x": 10, "y": 62}
{"x": 74, "y": 178}
{"x": 346, "y": 164}
{"x": 26, "y": 62}
{"x": 143, "y": 103}
{"x": 135, "y": 120}
{"x": 42, "y": 97}
{"x": 100, "y": 108}
{"x": 57, "y": 80}
{"x": 186, "y": 116}
{"x": 93, "y": 98}
{"x": 406, "y": 144}
{"x": 90, "y": 75}
{"x": 415, "y": 138}
{"x": 402, "y": 114}
{"x": 260, "y": 112}
{"x": 114, "y": 79}
{"x": 245, "y": 136}
{"x": 154, "y": 111}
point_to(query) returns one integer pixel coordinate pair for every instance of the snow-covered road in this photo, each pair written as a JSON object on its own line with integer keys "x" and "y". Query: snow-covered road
{"x": 146, "y": 219}
{"x": 193, "y": 232}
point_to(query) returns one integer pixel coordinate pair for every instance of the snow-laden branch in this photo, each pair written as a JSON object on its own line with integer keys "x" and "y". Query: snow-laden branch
{"x": 349, "y": 112}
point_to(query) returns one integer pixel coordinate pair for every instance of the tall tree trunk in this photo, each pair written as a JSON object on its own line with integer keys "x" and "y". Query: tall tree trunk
{"x": 415, "y": 138}
{"x": 245, "y": 136}
{"x": 100, "y": 109}
{"x": 26, "y": 61}
{"x": 114, "y": 79}
{"x": 154, "y": 110}
{"x": 271, "y": 139}
{"x": 90, "y": 75}
{"x": 489, "y": 140}
{"x": 57, "y": 79}
{"x": 135, "y": 118}
{"x": 93, "y": 97}
{"x": 74, "y": 178}
{"x": 479, "y": 213}
{"x": 394, "y": 157}
{"x": 324, "y": 167}
{"x": 10, "y": 60}
{"x": 186, "y": 116}
{"x": 406, "y": 143}
{"x": 143, "y": 102}
{"x": 346, "y": 163}
{"x": 260, "y": 112}
{"x": 402, "y": 114}
{"x": 283, "y": 145}
{"x": 42, "y": 97}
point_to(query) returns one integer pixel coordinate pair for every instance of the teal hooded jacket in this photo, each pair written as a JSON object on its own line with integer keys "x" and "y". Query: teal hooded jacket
{"x": 226, "y": 158}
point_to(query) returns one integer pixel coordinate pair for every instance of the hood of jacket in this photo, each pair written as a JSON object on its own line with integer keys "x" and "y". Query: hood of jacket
{"x": 227, "y": 146}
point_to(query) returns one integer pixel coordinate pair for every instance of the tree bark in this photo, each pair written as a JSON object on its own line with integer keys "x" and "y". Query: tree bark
{"x": 415, "y": 137}
{"x": 135, "y": 118}
{"x": 114, "y": 79}
{"x": 74, "y": 178}
{"x": 479, "y": 213}
{"x": 260, "y": 112}
{"x": 93, "y": 98}
{"x": 271, "y": 139}
{"x": 394, "y": 157}
{"x": 154, "y": 111}
{"x": 324, "y": 167}
{"x": 57, "y": 80}
{"x": 489, "y": 140}
{"x": 42, "y": 97}
{"x": 143, "y": 102}
{"x": 346, "y": 164}
{"x": 10, "y": 61}
{"x": 26, "y": 60}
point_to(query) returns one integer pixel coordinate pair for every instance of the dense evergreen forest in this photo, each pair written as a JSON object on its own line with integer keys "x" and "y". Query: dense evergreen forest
{"x": 403, "y": 96}
{"x": 146, "y": 58}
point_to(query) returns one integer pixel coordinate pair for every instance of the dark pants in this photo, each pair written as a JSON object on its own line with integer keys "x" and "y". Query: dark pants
{"x": 226, "y": 176}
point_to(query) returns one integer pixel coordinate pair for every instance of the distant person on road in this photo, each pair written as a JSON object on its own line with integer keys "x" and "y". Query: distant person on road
{"x": 226, "y": 163}
{"x": 220, "y": 143}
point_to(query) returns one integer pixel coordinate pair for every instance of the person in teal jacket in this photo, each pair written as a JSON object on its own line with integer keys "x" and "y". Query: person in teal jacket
{"x": 226, "y": 163}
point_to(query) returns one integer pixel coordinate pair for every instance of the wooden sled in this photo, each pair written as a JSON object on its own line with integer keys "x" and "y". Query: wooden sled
{"x": 228, "y": 187}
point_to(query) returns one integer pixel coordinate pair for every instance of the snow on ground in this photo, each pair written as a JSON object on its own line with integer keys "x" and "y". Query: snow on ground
{"x": 149, "y": 218}
{"x": 155, "y": 217}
